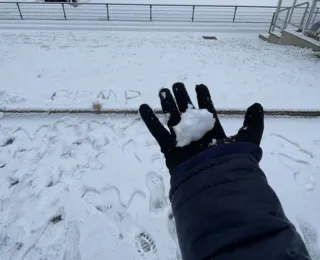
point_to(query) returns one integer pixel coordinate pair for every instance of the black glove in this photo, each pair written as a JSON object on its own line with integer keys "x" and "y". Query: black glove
{"x": 251, "y": 131}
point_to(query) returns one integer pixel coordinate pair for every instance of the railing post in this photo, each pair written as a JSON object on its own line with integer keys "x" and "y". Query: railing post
{"x": 285, "y": 23}
{"x": 64, "y": 11}
{"x": 235, "y": 13}
{"x": 306, "y": 25}
{"x": 276, "y": 15}
{"x": 271, "y": 24}
{"x": 19, "y": 11}
{"x": 192, "y": 18}
{"x": 292, "y": 10}
{"x": 304, "y": 16}
{"x": 108, "y": 17}
{"x": 150, "y": 13}
{"x": 314, "y": 18}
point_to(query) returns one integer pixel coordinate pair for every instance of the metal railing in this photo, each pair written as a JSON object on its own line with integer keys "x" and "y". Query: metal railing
{"x": 135, "y": 12}
{"x": 312, "y": 17}
{"x": 294, "y": 16}
{"x": 299, "y": 11}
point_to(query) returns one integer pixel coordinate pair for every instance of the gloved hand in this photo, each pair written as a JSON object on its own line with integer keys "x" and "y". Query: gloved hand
{"x": 251, "y": 130}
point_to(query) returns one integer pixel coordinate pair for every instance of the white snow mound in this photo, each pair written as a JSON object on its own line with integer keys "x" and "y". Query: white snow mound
{"x": 194, "y": 124}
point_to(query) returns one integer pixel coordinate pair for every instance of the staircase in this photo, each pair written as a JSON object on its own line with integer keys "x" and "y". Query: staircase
{"x": 291, "y": 37}
{"x": 288, "y": 25}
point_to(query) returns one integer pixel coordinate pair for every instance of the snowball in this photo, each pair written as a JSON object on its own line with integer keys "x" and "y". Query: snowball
{"x": 194, "y": 124}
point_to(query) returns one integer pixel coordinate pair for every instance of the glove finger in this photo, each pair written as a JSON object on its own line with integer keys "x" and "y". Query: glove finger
{"x": 253, "y": 124}
{"x": 205, "y": 102}
{"x": 169, "y": 106}
{"x": 159, "y": 132}
{"x": 204, "y": 98}
{"x": 182, "y": 97}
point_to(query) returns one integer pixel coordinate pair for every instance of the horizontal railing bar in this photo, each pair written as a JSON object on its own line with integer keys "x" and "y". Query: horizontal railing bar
{"x": 41, "y": 19}
{"x": 245, "y": 11}
{"x": 227, "y": 16}
{"x": 213, "y": 13}
{"x": 70, "y": 12}
{"x": 102, "y": 14}
{"x": 93, "y": 13}
{"x": 35, "y": 11}
{"x": 154, "y": 12}
{"x": 244, "y": 15}
{"x": 92, "y": 16}
{"x": 212, "y": 10}
{"x": 212, "y": 21}
{"x": 129, "y": 4}
{"x": 229, "y": 21}
{"x": 165, "y": 10}
{"x": 133, "y": 12}
{"x": 172, "y": 15}
{"x": 37, "y": 14}
{"x": 41, "y": 15}
{"x": 88, "y": 9}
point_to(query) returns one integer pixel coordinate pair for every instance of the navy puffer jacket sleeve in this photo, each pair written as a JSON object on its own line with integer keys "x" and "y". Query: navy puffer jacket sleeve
{"x": 224, "y": 208}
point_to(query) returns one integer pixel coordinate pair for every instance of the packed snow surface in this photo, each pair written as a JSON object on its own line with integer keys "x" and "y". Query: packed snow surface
{"x": 194, "y": 124}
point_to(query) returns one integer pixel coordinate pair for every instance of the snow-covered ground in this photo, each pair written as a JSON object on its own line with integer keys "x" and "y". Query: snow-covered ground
{"x": 95, "y": 187}
{"x": 125, "y": 69}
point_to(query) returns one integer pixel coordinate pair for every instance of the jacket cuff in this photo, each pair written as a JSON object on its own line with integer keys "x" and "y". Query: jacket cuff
{"x": 216, "y": 152}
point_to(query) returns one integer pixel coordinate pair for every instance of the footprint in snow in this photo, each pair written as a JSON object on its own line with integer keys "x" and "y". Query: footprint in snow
{"x": 146, "y": 247}
{"x": 106, "y": 200}
{"x": 72, "y": 251}
{"x": 171, "y": 226}
{"x": 7, "y": 98}
{"x": 4, "y": 141}
{"x": 156, "y": 189}
{"x": 301, "y": 164}
{"x": 98, "y": 138}
{"x": 129, "y": 147}
{"x": 310, "y": 235}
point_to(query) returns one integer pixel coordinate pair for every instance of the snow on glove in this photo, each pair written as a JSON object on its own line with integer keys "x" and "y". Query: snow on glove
{"x": 251, "y": 131}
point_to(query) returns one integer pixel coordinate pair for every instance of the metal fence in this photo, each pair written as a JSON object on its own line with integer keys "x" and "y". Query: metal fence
{"x": 313, "y": 17}
{"x": 283, "y": 16}
{"x": 294, "y": 16}
{"x": 135, "y": 12}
